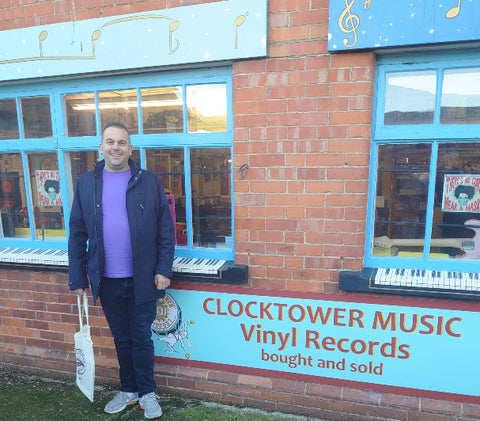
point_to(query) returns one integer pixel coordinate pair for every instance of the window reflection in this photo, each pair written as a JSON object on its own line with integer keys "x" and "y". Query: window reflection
{"x": 168, "y": 165}
{"x": 80, "y": 114}
{"x": 401, "y": 199}
{"x": 207, "y": 108}
{"x": 162, "y": 110}
{"x": 36, "y": 117}
{"x": 8, "y": 119}
{"x": 410, "y": 97}
{"x": 14, "y": 221}
{"x": 46, "y": 196}
{"x": 211, "y": 197}
{"x": 461, "y": 97}
{"x": 119, "y": 106}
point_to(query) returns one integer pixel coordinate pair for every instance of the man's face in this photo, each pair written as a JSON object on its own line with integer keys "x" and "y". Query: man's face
{"x": 116, "y": 149}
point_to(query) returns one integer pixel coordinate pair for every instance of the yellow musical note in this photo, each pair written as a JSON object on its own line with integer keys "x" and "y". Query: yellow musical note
{"x": 238, "y": 21}
{"x": 454, "y": 11}
{"x": 173, "y": 27}
{"x": 366, "y": 4}
{"x": 352, "y": 22}
{"x": 42, "y": 36}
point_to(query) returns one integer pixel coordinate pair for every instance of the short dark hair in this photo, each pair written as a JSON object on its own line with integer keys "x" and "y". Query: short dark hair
{"x": 116, "y": 124}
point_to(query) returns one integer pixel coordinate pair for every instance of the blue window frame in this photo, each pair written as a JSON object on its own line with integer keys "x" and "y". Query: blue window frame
{"x": 424, "y": 194}
{"x": 181, "y": 129}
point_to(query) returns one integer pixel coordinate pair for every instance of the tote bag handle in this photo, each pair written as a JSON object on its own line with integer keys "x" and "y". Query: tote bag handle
{"x": 82, "y": 309}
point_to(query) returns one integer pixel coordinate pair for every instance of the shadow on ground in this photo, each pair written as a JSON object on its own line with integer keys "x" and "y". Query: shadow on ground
{"x": 28, "y": 397}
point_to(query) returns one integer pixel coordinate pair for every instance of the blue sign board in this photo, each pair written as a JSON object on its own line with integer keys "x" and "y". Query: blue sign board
{"x": 225, "y": 30}
{"x": 320, "y": 338}
{"x": 367, "y": 24}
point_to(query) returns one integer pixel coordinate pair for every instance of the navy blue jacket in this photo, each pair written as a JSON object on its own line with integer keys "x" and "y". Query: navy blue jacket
{"x": 151, "y": 230}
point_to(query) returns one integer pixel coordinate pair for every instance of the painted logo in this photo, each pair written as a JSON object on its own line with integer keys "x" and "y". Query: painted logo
{"x": 168, "y": 326}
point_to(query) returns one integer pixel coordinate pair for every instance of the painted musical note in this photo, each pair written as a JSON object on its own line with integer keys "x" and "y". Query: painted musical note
{"x": 238, "y": 21}
{"x": 173, "y": 27}
{"x": 454, "y": 11}
{"x": 348, "y": 23}
{"x": 366, "y": 4}
{"x": 42, "y": 36}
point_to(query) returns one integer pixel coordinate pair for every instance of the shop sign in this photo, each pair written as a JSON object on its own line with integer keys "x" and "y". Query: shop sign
{"x": 366, "y": 24}
{"x": 218, "y": 31}
{"x": 417, "y": 346}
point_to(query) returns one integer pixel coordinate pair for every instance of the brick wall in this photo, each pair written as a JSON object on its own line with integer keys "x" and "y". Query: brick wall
{"x": 302, "y": 124}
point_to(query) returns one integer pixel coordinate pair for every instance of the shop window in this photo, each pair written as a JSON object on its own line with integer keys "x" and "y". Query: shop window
{"x": 15, "y": 218}
{"x": 180, "y": 131}
{"x": 169, "y": 165}
{"x": 207, "y": 108}
{"x": 36, "y": 117}
{"x": 8, "y": 119}
{"x": 80, "y": 115}
{"x": 461, "y": 97}
{"x": 426, "y": 164}
{"x": 119, "y": 106}
{"x": 78, "y": 163}
{"x": 47, "y": 197}
{"x": 162, "y": 110}
{"x": 410, "y": 97}
{"x": 211, "y": 197}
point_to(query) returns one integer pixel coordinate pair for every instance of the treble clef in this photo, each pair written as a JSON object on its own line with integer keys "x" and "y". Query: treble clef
{"x": 348, "y": 23}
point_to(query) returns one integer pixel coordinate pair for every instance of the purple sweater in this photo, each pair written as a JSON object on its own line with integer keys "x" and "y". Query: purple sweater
{"x": 116, "y": 231}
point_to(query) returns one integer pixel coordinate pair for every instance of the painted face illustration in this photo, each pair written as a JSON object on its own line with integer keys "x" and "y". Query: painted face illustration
{"x": 463, "y": 199}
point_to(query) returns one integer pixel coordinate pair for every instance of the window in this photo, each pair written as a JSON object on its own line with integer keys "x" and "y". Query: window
{"x": 181, "y": 130}
{"x": 424, "y": 207}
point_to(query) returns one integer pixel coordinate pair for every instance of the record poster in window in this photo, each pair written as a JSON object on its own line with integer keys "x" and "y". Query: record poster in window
{"x": 48, "y": 187}
{"x": 461, "y": 193}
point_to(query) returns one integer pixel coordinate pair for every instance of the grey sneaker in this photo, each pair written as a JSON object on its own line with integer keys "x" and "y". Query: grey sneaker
{"x": 120, "y": 402}
{"x": 150, "y": 404}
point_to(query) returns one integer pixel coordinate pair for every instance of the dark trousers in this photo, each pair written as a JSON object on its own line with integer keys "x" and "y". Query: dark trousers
{"x": 130, "y": 326}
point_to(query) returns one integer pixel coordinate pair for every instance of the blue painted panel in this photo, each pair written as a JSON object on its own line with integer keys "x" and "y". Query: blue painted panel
{"x": 311, "y": 335}
{"x": 193, "y": 34}
{"x": 360, "y": 24}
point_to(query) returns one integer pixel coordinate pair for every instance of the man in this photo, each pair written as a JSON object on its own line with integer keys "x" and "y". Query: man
{"x": 122, "y": 213}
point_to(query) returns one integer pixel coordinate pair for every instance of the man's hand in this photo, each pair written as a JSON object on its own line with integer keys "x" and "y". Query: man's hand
{"x": 161, "y": 282}
{"x": 79, "y": 291}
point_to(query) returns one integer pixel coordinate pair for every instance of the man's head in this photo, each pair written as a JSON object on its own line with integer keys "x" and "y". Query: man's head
{"x": 116, "y": 147}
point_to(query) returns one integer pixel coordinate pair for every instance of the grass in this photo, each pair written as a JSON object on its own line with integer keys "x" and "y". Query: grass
{"x": 27, "y": 397}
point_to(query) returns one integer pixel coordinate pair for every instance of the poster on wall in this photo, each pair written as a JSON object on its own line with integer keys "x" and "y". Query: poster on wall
{"x": 48, "y": 188}
{"x": 461, "y": 193}
{"x": 320, "y": 339}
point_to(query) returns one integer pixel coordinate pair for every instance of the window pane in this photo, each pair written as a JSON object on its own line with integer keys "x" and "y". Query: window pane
{"x": 119, "y": 106}
{"x": 8, "y": 119}
{"x": 401, "y": 199}
{"x": 80, "y": 114}
{"x": 168, "y": 164}
{"x": 207, "y": 108}
{"x": 36, "y": 117}
{"x": 78, "y": 163}
{"x": 162, "y": 110}
{"x": 457, "y": 204}
{"x": 211, "y": 197}
{"x": 46, "y": 196}
{"x": 13, "y": 203}
{"x": 410, "y": 97}
{"x": 461, "y": 97}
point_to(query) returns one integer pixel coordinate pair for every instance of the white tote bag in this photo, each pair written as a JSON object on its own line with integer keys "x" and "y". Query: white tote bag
{"x": 84, "y": 352}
